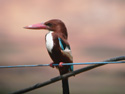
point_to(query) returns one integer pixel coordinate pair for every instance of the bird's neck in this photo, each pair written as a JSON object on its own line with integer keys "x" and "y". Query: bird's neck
{"x": 62, "y": 31}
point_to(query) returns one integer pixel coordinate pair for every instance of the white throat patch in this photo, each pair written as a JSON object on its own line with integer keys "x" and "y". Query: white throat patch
{"x": 49, "y": 41}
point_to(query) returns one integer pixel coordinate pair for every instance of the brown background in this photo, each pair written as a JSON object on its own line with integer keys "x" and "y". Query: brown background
{"x": 96, "y": 32}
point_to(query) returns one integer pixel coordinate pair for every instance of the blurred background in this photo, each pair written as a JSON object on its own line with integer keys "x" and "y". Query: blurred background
{"x": 96, "y": 32}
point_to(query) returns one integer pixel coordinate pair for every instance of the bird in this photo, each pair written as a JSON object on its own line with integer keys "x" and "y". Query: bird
{"x": 57, "y": 46}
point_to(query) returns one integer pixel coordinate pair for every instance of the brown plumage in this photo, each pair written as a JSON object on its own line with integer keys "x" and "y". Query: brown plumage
{"x": 57, "y": 46}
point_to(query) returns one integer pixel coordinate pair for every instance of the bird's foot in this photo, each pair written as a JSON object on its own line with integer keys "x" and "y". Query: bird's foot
{"x": 51, "y": 65}
{"x": 60, "y": 64}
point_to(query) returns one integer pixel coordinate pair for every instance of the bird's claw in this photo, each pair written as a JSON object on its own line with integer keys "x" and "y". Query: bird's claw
{"x": 51, "y": 65}
{"x": 60, "y": 64}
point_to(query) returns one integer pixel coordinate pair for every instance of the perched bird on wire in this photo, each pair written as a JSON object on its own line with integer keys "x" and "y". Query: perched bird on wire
{"x": 57, "y": 46}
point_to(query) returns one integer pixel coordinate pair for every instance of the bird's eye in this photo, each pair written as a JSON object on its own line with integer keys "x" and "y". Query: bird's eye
{"x": 49, "y": 24}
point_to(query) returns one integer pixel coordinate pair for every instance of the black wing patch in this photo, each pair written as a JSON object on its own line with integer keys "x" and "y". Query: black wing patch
{"x": 62, "y": 44}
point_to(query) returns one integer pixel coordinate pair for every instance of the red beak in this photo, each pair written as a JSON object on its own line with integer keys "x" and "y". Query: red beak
{"x": 36, "y": 26}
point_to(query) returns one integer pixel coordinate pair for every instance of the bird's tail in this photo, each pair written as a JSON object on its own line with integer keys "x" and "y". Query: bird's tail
{"x": 65, "y": 83}
{"x": 65, "y": 86}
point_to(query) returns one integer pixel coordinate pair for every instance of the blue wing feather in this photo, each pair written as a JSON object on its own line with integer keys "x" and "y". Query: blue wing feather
{"x": 71, "y": 68}
{"x": 63, "y": 46}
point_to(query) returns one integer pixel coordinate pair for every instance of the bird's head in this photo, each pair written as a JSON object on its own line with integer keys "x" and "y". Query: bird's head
{"x": 54, "y": 25}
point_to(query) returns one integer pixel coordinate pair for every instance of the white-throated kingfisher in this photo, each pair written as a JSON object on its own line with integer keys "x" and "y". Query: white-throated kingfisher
{"x": 57, "y": 46}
